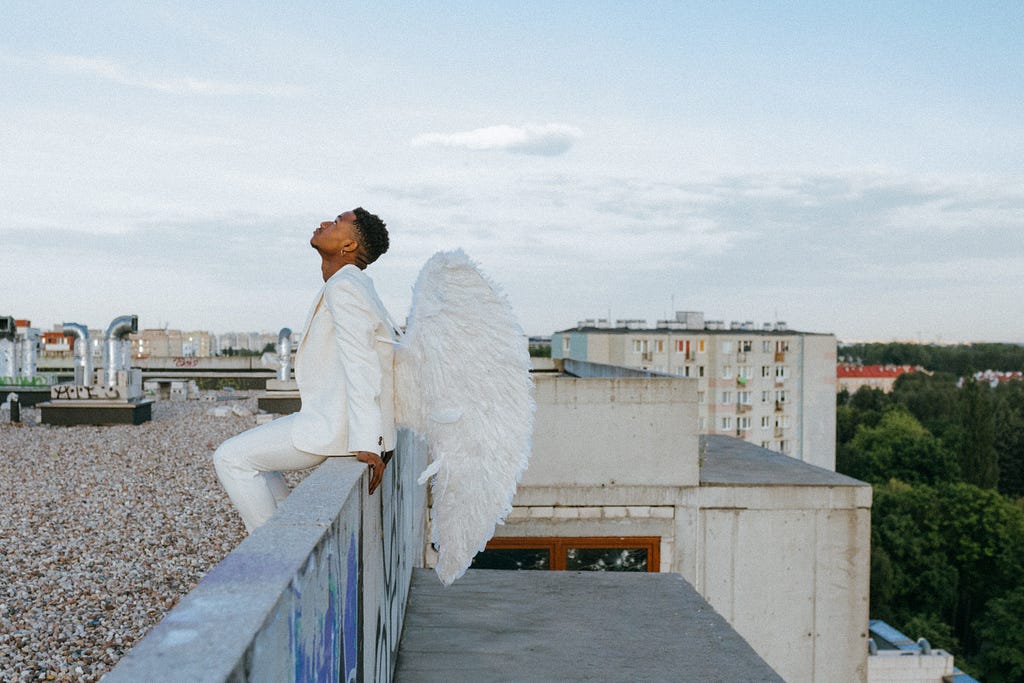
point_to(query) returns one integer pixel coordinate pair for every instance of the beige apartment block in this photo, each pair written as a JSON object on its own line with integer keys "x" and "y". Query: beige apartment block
{"x": 165, "y": 343}
{"x": 780, "y": 548}
{"x": 770, "y": 386}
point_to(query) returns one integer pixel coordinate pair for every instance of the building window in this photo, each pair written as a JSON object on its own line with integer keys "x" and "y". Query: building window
{"x": 743, "y": 397}
{"x": 784, "y": 446}
{"x": 727, "y": 347}
{"x": 766, "y": 346}
{"x": 596, "y": 554}
{"x": 745, "y": 372}
{"x": 743, "y": 423}
{"x": 639, "y": 346}
{"x": 780, "y": 396}
{"x": 781, "y": 372}
{"x": 700, "y": 346}
{"x": 726, "y": 397}
{"x": 700, "y": 370}
{"x": 781, "y": 346}
{"x": 701, "y": 424}
{"x": 726, "y": 372}
{"x": 565, "y": 343}
{"x": 700, "y": 397}
{"x": 766, "y": 371}
{"x": 766, "y": 422}
{"x": 766, "y": 444}
{"x": 687, "y": 370}
{"x": 782, "y": 422}
{"x": 726, "y": 423}
{"x": 659, "y": 345}
{"x": 766, "y": 397}
{"x": 745, "y": 346}
{"x": 682, "y": 345}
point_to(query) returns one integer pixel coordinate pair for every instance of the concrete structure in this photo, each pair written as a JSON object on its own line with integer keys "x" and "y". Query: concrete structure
{"x": 895, "y": 658}
{"x": 112, "y": 395}
{"x": 619, "y": 479}
{"x": 568, "y": 626}
{"x": 770, "y": 386}
{"x": 778, "y": 547}
{"x": 852, "y": 377}
{"x": 320, "y": 593}
{"x": 316, "y": 594}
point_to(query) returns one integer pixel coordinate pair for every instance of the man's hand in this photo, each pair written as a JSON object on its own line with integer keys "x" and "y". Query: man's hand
{"x": 376, "y": 468}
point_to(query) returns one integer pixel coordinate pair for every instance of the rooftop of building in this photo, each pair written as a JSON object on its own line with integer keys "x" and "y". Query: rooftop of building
{"x": 874, "y": 371}
{"x": 730, "y": 461}
{"x": 677, "y": 329}
{"x": 496, "y": 625}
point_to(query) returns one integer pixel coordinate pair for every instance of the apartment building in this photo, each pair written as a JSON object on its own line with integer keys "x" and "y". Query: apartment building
{"x": 768, "y": 385}
{"x": 164, "y": 343}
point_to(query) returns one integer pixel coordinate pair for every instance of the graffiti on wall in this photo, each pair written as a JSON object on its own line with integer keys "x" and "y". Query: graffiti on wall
{"x": 80, "y": 393}
{"x": 402, "y": 508}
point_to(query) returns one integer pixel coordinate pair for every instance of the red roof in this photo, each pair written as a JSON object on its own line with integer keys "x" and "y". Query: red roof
{"x": 872, "y": 371}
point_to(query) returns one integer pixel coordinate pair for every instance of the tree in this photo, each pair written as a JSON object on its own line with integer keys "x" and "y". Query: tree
{"x": 1001, "y": 634}
{"x": 899, "y": 448}
{"x": 976, "y": 442}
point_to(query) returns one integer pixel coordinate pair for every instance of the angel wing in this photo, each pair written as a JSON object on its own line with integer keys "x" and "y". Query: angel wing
{"x": 462, "y": 381}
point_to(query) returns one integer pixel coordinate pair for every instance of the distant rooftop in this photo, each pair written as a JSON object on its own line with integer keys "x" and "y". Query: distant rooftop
{"x": 685, "y": 321}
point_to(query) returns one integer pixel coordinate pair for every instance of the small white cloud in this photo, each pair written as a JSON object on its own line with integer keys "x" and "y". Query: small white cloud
{"x": 550, "y": 139}
{"x": 111, "y": 70}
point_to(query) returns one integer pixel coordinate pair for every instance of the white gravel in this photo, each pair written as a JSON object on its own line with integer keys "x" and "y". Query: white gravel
{"x": 102, "y": 530}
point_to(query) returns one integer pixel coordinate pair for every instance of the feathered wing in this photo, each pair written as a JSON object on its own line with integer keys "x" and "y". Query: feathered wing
{"x": 462, "y": 381}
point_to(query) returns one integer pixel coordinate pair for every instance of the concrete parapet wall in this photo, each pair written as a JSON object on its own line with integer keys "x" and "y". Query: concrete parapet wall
{"x": 318, "y": 593}
{"x": 594, "y": 434}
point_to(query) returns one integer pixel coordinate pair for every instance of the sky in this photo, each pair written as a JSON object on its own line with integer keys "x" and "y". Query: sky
{"x": 853, "y": 168}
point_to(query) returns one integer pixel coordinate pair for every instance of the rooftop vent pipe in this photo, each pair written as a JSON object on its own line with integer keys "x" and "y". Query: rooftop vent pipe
{"x": 284, "y": 353}
{"x": 83, "y": 354}
{"x": 116, "y": 350}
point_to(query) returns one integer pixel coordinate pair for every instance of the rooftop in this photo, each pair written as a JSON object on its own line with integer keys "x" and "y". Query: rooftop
{"x": 495, "y": 625}
{"x": 730, "y": 461}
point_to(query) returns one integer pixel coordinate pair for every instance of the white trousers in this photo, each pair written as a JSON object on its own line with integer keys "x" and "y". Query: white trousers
{"x": 249, "y": 467}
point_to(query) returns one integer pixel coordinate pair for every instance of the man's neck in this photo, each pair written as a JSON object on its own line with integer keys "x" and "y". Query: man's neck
{"x": 329, "y": 265}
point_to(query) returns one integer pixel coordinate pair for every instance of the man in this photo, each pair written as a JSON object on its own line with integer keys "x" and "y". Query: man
{"x": 344, "y": 371}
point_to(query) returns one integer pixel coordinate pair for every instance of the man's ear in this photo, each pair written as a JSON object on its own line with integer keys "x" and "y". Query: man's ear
{"x": 349, "y": 247}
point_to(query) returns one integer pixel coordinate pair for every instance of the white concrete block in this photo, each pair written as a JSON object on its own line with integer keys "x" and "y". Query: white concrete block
{"x": 590, "y": 512}
{"x": 542, "y": 511}
{"x": 663, "y": 512}
{"x": 639, "y": 510}
{"x": 614, "y": 512}
{"x": 566, "y": 513}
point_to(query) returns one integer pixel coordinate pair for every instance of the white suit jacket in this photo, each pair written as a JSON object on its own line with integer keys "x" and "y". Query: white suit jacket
{"x": 344, "y": 369}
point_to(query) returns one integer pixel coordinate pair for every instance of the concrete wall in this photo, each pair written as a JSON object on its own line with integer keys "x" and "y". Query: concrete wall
{"x": 598, "y": 433}
{"x": 788, "y": 567}
{"x": 288, "y": 602}
{"x": 818, "y": 401}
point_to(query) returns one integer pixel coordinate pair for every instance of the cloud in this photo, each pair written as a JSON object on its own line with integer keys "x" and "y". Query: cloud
{"x": 115, "y": 72}
{"x": 548, "y": 140}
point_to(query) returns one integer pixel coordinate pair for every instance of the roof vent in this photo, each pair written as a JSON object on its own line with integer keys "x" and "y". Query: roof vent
{"x": 926, "y": 648}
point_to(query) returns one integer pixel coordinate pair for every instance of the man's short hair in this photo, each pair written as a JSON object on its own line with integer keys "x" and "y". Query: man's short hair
{"x": 374, "y": 234}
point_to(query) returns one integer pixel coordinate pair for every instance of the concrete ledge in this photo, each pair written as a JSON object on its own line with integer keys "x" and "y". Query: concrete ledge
{"x": 279, "y": 402}
{"x": 568, "y": 626}
{"x": 27, "y": 396}
{"x": 70, "y": 413}
{"x": 210, "y": 635}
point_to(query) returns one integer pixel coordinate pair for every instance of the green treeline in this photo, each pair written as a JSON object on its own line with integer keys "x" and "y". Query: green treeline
{"x": 960, "y": 360}
{"x": 947, "y": 522}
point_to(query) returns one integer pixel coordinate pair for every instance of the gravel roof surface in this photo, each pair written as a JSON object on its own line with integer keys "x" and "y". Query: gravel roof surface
{"x": 103, "y": 529}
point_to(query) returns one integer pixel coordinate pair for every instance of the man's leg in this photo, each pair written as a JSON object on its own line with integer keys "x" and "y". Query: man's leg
{"x": 249, "y": 468}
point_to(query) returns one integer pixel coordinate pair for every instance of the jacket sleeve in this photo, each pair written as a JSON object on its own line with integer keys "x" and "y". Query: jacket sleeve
{"x": 354, "y": 329}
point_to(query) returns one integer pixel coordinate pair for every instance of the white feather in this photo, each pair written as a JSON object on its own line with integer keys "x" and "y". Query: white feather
{"x": 462, "y": 381}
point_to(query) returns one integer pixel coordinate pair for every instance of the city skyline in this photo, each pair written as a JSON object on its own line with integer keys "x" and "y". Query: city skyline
{"x": 850, "y": 170}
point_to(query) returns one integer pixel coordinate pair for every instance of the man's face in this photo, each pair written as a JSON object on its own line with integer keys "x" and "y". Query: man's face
{"x": 333, "y": 236}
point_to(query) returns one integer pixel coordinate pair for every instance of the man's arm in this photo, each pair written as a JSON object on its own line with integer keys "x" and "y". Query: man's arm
{"x": 354, "y": 331}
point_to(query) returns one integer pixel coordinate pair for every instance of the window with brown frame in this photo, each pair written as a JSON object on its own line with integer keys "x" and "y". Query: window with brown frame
{"x": 591, "y": 553}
